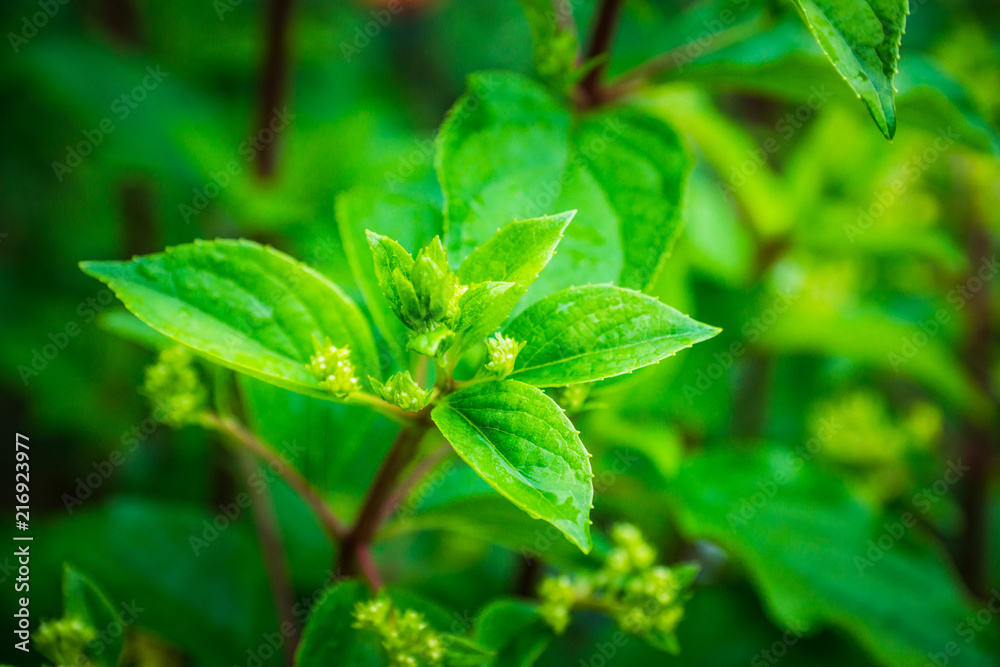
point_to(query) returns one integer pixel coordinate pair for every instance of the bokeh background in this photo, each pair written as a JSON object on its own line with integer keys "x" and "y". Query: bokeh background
{"x": 855, "y": 280}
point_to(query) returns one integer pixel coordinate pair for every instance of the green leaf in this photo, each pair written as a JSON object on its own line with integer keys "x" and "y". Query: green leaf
{"x": 515, "y": 630}
{"x": 412, "y": 222}
{"x": 464, "y": 652}
{"x": 85, "y": 601}
{"x": 813, "y": 551}
{"x": 299, "y": 427}
{"x": 203, "y": 589}
{"x": 480, "y": 308}
{"x": 520, "y": 441}
{"x": 245, "y": 306}
{"x": 330, "y": 639}
{"x": 127, "y": 326}
{"x": 875, "y": 339}
{"x": 465, "y": 504}
{"x": 516, "y": 253}
{"x": 588, "y": 333}
{"x": 861, "y": 38}
{"x": 510, "y": 149}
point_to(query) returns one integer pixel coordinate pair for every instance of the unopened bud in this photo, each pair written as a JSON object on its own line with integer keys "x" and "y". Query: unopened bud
{"x": 501, "y": 353}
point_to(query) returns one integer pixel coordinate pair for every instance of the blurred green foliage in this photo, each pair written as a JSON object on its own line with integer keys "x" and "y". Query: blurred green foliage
{"x": 829, "y": 460}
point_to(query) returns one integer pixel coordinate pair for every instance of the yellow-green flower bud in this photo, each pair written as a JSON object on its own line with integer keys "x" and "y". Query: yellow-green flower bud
{"x": 407, "y": 638}
{"x": 643, "y": 598}
{"x": 501, "y": 353}
{"x": 427, "y": 292}
{"x": 572, "y": 398}
{"x": 173, "y": 386}
{"x": 402, "y": 391}
{"x": 332, "y": 366}
{"x": 63, "y": 641}
{"x": 558, "y": 595}
{"x": 632, "y": 552}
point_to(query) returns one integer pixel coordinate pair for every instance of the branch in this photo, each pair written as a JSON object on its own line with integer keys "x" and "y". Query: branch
{"x": 419, "y": 471}
{"x": 600, "y": 46}
{"x": 273, "y": 550}
{"x": 354, "y": 555}
{"x": 972, "y": 557}
{"x": 274, "y": 80}
{"x": 676, "y": 58}
{"x": 236, "y": 431}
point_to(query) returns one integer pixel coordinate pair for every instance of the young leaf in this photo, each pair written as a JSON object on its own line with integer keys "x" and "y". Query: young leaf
{"x": 520, "y": 441}
{"x": 861, "y": 38}
{"x": 588, "y": 333}
{"x": 516, "y": 253}
{"x": 479, "y": 307}
{"x": 242, "y": 305}
{"x": 329, "y": 638}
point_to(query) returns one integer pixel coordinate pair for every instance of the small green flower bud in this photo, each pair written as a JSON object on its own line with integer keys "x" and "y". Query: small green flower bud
{"x": 632, "y": 552}
{"x": 643, "y": 598}
{"x": 556, "y": 615}
{"x": 633, "y": 620}
{"x": 371, "y": 615}
{"x": 333, "y": 368}
{"x": 501, "y": 352}
{"x": 428, "y": 294}
{"x": 173, "y": 386}
{"x": 558, "y": 595}
{"x": 407, "y": 638}
{"x": 63, "y": 641}
{"x": 572, "y": 398}
{"x": 402, "y": 391}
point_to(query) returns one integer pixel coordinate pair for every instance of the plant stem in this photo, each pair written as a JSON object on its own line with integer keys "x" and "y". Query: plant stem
{"x": 972, "y": 556}
{"x": 600, "y": 46}
{"x": 676, "y": 58}
{"x": 380, "y": 406}
{"x": 273, "y": 549}
{"x": 235, "y": 430}
{"x": 423, "y": 467}
{"x": 274, "y": 80}
{"x": 354, "y": 555}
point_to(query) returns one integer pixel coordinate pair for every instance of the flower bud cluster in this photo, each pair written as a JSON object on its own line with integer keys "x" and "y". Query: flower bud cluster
{"x": 402, "y": 391}
{"x": 63, "y": 641}
{"x": 501, "y": 353}
{"x": 429, "y": 294}
{"x": 332, "y": 366}
{"x": 406, "y": 637}
{"x": 874, "y": 446}
{"x": 173, "y": 386}
{"x": 644, "y": 599}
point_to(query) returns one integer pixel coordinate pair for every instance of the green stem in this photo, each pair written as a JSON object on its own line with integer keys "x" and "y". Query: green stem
{"x": 600, "y": 46}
